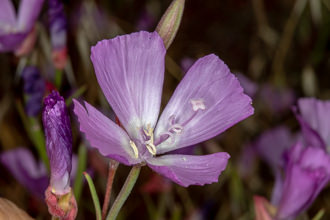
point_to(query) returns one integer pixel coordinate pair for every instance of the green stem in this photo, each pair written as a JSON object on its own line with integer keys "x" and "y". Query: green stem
{"x": 35, "y": 133}
{"x": 76, "y": 94}
{"x": 58, "y": 78}
{"x": 95, "y": 198}
{"x": 124, "y": 192}
{"x": 78, "y": 182}
{"x": 319, "y": 215}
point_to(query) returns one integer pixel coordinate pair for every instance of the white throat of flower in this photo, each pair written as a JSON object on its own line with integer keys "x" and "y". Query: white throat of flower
{"x": 175, "y": 128}
{"x": 149, "y": 143}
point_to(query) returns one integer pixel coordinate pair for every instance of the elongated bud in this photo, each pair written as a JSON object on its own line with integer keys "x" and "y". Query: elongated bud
{"x": 170, "y": 22}
{"x": 59, "y": 197}
{"x": 58, "y": 142}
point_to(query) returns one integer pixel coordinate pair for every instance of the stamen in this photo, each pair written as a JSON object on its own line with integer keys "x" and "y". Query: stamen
{"x": 151, "y": 148}
{"x": 135, "y": 150}
{"x": 149, "y": 132}
{"x": 176, "y": 128}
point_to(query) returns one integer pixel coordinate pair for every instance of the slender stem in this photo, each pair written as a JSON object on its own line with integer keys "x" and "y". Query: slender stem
{"x": 58, "y": 78}
{"x": 95, "y": 198}
{"x": 285, "y": 41}
{"x": 76, "y": 94}
{"x": 34, "y": 132}
{"x": 124, "y": 192}
{"x": 78, "y": 181}
{"x": 319, "y": 215}
{"x": 113, "y": 165}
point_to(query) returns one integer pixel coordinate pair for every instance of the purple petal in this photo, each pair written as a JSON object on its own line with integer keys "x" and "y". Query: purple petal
{"x": 10, "y": 42}
{"x": 105, "y": 135}
{"x": 316, "y": 114}
{"x": 306, "y": 175}
{"x": 130, "y": 71}
{"x": 28, "y": 13}
{"x": 23, "y": 166}
{"x": 7, "y": 15}
{"x": 278, "y": 188}
{"x": 272, "y": 145}
{"x": 188, "y": 170}
{"x": 207, "y": 101}
{"x": 277, "y": 99}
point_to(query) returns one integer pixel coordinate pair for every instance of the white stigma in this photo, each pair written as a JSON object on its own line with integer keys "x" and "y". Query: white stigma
{"x": 197, "y": 104}
{"x": 135, "y": 150}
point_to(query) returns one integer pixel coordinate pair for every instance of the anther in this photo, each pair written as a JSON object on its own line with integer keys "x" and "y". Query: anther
{"x": 135, "y": 150}
{"x": 150, "y": 143}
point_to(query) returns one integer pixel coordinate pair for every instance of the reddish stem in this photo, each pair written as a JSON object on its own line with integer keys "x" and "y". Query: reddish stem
{"x": 113, "y": 165}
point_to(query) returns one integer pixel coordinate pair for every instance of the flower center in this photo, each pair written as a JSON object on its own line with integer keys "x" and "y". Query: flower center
{"x": 175, "y": 128}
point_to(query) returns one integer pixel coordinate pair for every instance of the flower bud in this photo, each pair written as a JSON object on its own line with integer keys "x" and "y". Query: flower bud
{"x": 170, "y": 22}
{"x": 59, "y": 197}
{"x": 58, "y": 142}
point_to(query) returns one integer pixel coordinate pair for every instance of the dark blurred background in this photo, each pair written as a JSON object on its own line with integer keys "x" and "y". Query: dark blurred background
{"x": 280, "y": 44}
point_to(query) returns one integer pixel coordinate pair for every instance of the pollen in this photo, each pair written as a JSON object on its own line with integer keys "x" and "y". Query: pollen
{"x": 197, "y": 104}
{"x": 135, "y": 150}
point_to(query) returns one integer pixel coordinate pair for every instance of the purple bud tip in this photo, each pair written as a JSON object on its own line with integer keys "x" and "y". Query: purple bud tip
{"x": 58, "y": 134}
{"x": 52, "y": 99}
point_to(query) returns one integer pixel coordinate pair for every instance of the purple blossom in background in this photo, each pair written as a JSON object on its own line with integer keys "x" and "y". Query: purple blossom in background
{"x": 34, "y": 89}
{"x": 57, "y": 24}
{"x": 58, "y": 134}
{"x": 250, "y": 87}
{"x": 278, "y": 100}
{"x": 307, "y": 172}
{"x": 58, "y": 32}
{"x": 246, "y": 160}
{"x": 26, "y": 170}
{"x": 208, "y": 100}
{"x": 186, "y": 63}
{"x": 272, "y": 147}
{"x": 146, "y": 20}
{"x": 273, "y": 144}
{"x": 14, "y": 28}
{"x": 314, "y": 119}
